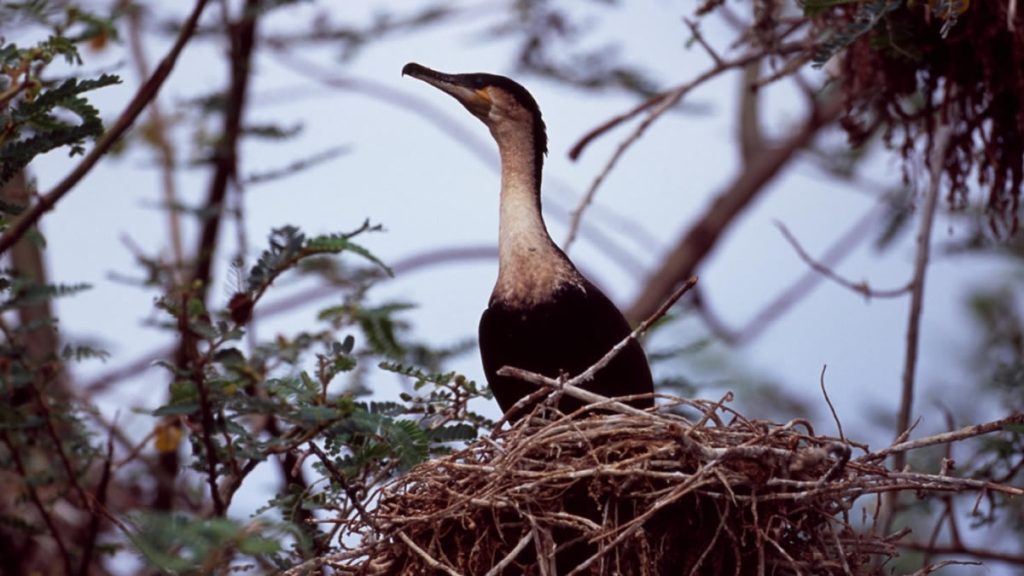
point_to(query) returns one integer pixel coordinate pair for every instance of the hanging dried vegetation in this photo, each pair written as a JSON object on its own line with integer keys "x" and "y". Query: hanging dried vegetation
{"x": 909, "y": 67}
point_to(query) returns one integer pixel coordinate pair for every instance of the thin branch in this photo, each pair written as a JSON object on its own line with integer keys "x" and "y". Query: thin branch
{"x": 947, "y": 437}
{"x": 242, "y": 36}
{"x": 695, "y": 30}
{"x": 339, "y": 477}
{"x": 296, "y": 166}
{"x": 924, "y": 239}
{"x": 824, "y": 392}
{"x": 861, "y": 288}
{"x": 589, "y": 373}
{"x": 511, "y": 555}
{"x": 657, "y": 105}
{"x": 142, "y": 97}
{"x": 99, "y": 502}
{"x": 207, "y": 424}
{"x": 979, "y": 553}
{"x": 430, "y": 560}
{"x": 796, "y": 291}
{"x": 662, "y": 104}
{"x": 159, "y": 138}
{"x": 674, "y": 94}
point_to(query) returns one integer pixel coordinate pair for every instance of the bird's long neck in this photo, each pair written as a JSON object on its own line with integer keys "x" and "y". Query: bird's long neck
{"x": 530, "y": 266}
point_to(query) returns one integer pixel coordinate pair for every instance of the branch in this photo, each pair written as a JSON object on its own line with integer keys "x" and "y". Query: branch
{"x": 33, "y": 495}
{"x": 145, "y": 94}
{"x": 861, "y": 288}
{"x": 796, "y": 291}
{"x": 980, "y": 553}
{"x": 588, "y": 374}
{"x": 601, "y": 129}
{"x": 947, "y": 437}
{"x": 658, "y": 105}
{"x": 697, "y": 242}
{"x": 295, "y": 300}
{"x": 99, "y": 500}
{"x": 160, "y": 140}
{"x": 242, "y": 35}
{"x": 924, "y": 239}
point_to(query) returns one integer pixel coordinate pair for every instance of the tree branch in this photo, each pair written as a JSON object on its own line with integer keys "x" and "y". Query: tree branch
{"x": 698, "y": 242}
{"x": 861, "y": 288}
{"x": 924, "y": 239}
{"x": 145, "y": 94}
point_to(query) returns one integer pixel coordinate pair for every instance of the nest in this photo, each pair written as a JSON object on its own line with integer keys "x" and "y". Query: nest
{"x": 694, "y": 488}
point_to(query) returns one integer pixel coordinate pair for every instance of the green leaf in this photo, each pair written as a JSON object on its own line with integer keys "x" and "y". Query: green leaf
{"x": 337, "y": 243}
{"x": 231, "y": 358}
{"x": 182, "y": 409}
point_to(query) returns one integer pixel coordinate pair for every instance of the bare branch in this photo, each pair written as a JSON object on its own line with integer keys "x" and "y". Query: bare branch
{"x": 695, "y": 30}
{"x": 658, "y": 106}
{"x": 861, "y": 288}
{"x": 947, "y": 437}
{"x": 824, "y": 392}
{"x": 924, "y": 240}
{"x": 160, "y": 139}
{"x": 697, "y": 242}
{"x": 796, "y": 291}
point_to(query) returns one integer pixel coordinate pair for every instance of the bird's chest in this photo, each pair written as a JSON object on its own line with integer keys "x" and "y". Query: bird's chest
{"x": 547, "y": 336}
{"x": 528, "y": 281}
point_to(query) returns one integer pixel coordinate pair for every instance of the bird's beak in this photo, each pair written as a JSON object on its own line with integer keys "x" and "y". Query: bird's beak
{"x": 477, "y": 101}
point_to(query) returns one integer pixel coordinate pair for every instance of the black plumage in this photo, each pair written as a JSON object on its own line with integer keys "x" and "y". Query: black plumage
{"x": 562, "y": 336}
{"x": 543, "y": 315}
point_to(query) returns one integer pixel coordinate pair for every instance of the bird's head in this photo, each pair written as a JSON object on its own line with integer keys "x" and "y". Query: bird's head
{"x": 500, "y": 103}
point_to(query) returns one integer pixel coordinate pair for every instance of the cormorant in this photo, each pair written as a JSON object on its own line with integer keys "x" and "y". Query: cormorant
{"x": 543, "y": 315}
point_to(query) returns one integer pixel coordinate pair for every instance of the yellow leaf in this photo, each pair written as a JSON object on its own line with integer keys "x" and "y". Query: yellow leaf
{"x": 167, "y": 437}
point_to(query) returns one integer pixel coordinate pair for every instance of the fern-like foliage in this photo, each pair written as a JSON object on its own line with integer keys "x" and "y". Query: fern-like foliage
{"x": 34, "y": 115}
{"x": 289, "y": 245}
{"x": 299, "y": 393}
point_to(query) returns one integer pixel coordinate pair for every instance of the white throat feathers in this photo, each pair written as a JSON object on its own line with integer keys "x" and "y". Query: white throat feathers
{"x": 531, "y": 268}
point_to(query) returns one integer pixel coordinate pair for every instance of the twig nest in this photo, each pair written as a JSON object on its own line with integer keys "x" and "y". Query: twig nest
{"x": 692, "y": 489}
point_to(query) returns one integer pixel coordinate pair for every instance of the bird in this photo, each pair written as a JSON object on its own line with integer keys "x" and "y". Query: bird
{"x": 543, "y": 315}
